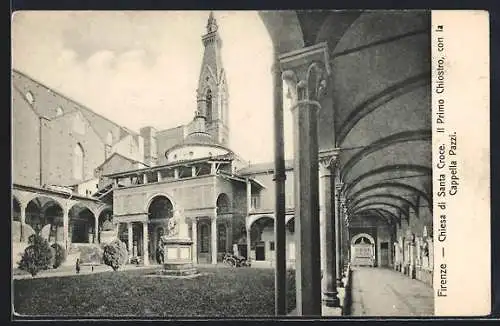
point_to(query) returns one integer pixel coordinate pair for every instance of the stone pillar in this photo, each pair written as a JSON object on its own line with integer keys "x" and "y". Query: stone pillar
{"x": 322, "y": 217}
{"x": 212, "y": 168}
{"x": 213, "y": 227}
{"x": 23, "y": 221}
{"x": 158, "y": 175}
{"x": 130, "y": 238}
{"x": 96, "y": 229}
{"x": 66, "y": 227}
{"x": 176, "y": 173}
{"x": 306, "y": 71}
{"x": 194, "y": 238}
{"x": 145, "y": 178}
{"x": 330, "y": 293}
{"x": 145, "y": 242}
{"x": 338, "y": 236}
{"x": 193, "y": 171}
{"x": 249, "y": 196}
{"x": 115, "y": 182}
{"x": 249, "y": 242}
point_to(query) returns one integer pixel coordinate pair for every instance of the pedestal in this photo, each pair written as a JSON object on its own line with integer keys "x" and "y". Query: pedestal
{"x": 178, "y": 253}
{"x": 178, "y": 257}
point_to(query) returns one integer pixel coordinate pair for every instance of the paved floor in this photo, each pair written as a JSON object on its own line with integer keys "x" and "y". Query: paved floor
{"x": 385, "y": 292}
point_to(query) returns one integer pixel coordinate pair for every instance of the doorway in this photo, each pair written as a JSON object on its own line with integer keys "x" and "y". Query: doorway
{"x": 384, "y": 254}
{"x": 260, "y": 251}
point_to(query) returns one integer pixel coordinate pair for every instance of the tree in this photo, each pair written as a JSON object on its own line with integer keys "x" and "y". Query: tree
{"x": 37, "y": 256}
{"x": 115, "y": 254}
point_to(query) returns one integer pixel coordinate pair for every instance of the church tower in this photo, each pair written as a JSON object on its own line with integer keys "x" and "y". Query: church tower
{"x": 212, "y": 95}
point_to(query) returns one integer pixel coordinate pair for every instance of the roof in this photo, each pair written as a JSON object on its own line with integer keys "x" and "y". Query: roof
{"x": 225, "y": 157}
{"x": 89, "y": 114}
{"x": 122, "y": 156}
{"x": 263, "y": 168}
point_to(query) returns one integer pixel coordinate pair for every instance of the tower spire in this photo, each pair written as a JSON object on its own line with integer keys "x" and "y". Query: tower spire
{"x": 212, "y": 23}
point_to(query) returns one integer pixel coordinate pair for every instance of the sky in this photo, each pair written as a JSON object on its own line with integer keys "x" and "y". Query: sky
{"x": 141, "y": 68}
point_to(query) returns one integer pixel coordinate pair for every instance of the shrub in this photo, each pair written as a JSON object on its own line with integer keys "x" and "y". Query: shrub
{"x": 37, "y": 256}
{"x": 115, "y": 254}
{"x": 91, "y": 254}
{"x": 58, "y": 255}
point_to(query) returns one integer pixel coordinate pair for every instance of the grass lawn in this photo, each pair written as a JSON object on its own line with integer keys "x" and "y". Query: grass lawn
{"x": 221, "y": 292}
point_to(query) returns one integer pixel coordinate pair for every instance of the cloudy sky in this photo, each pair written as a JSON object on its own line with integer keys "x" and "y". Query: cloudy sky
{"x": 142, "y": 68}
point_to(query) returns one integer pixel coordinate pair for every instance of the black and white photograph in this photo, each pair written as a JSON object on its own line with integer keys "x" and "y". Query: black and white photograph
{"x": 233, "y": 164}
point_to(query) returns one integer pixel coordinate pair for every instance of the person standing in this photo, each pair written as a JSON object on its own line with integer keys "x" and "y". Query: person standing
{"x": 77, "y": 266}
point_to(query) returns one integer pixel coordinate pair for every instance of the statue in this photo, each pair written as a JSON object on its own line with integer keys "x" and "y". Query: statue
{"x": 172, "y": 227}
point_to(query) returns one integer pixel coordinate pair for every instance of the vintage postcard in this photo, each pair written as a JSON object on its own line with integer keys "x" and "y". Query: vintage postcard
{"x": 250, "y": 164}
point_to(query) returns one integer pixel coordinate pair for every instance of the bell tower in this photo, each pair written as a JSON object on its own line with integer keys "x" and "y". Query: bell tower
{"x": 212, "y": 95}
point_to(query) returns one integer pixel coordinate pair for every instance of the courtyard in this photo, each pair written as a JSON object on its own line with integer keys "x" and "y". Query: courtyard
{"x": 217, "y": 292}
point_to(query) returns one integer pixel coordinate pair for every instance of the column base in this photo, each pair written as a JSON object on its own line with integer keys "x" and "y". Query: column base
{"x": 331, "y": 299}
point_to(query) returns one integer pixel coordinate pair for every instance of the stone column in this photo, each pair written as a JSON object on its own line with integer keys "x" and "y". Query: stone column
{"x": 249, "y": 196}
{"x": 145, "y": 178}
{"x": 330, "y": 293}
{"x": 158, "y": 175}
{"x": 338, "y": 237}
{"x": 306, "y": 71}
{"x": 249, "y": 242}
{"x": 212, "y": 168}
{"x": 213, "y": 227}
{"x": 176, "y": 173}
{"x": 194, "y": 238}
{"x": 23, "y": 221}
{"x": 66, "y": 227}
{"x": 145, "y": 242}
{"x": 130, "y": 238}
{"x": 322, "y": 218}
{"x": 96, "y": 229}
{"x": 193, "y": 171}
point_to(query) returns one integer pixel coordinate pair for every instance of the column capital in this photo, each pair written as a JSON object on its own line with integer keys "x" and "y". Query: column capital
{"x": 306, "y": 73}
{"x": 328, "y": 158}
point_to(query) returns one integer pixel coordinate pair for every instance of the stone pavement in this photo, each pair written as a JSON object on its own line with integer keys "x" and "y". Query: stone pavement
{"x": 385, "y": 292}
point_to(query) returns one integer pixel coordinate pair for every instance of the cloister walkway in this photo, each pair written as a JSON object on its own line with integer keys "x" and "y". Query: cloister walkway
{"x": 385, "y": 292}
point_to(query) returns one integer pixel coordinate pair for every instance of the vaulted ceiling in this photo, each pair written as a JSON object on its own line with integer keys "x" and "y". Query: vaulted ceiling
{"x": 378, "y": 110}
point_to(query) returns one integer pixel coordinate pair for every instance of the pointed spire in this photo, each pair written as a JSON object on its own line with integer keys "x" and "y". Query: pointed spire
{"x": 212, "y": 23}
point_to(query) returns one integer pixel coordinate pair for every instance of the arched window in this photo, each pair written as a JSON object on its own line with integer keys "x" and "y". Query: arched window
{"x": 78, "y": 162}
{"x": 223, "y": 204}
{"x": 208, "y": 99}
{"x": 59, "y": 111}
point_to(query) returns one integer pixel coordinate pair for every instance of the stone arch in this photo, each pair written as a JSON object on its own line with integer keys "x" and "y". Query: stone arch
{"x": 261, "y": 227}
{"x": 104, "y": 221}
{"x": 44, "y": 216}
{"x": 160, "y": 207}
{"x": 82, "y": 224}
{"x": 223, "y": 204}
{"x": 362, "y": 235}
{"x": 152, "y": 197}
